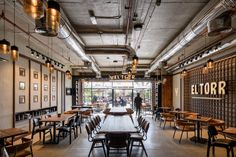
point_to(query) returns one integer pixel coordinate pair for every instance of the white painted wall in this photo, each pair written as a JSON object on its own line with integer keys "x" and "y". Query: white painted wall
{"x": 176, "y": 91}
{"x": 6, "y": 95}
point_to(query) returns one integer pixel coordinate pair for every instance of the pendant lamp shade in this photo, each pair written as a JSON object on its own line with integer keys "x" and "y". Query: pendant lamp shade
{"x": 4, "y": 46}
{"x": 53, "y": 16}
{"x": 34, "y": 8}
{"x": 14, "y": 53}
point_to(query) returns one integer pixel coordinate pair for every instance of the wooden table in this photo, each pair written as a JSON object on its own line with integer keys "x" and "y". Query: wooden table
{"x": 230, "y": 132}
{"x": 56, "y": 119}
{"x": 118, "y": 111}
{"x": 198, "y": 121}
{"x": 10, "y": 132}
{"x": 118, "y": 124}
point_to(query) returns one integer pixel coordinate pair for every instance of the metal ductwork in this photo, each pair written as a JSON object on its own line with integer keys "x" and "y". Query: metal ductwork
{"x": 110, "y": 49}
{"x": 74, "y": 42}
{"x": 191, "y": 32}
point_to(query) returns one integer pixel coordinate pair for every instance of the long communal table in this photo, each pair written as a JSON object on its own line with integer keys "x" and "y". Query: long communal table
{"x": 118, "y": 124}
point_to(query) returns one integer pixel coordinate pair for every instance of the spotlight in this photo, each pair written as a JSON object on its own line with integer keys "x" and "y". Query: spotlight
{"x": 37, "y": 55}
{"x": 43, "y": 57}
{"x": 32, "y": 52}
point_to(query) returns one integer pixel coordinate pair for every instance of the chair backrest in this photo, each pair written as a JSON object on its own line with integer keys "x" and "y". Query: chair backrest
{"x": 71, "y": 122}
{"x": 145, "y": 130}
{"x": 78, "y": 119}
{"x": 89, "y": 131}
{"x": 212, "y": 133}
{"x": 117, "y": 140}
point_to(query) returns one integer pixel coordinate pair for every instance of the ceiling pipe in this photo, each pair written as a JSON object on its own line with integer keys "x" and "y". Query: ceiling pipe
{"x": 73, "y": 41}
{"x": 189, "y": 34}
{"x": 111, "y": 49}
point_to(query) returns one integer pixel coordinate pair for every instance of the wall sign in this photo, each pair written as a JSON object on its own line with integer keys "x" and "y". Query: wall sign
{"x": 209, "y": 88}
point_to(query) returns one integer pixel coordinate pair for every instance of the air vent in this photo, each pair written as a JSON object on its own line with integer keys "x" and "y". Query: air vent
{"x": 40, "y": 28}
{"x": 221, "y": 24}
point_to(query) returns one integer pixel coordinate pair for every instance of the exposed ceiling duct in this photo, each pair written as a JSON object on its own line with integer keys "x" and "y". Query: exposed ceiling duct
{"x": 191, "y": 32}
{"x": 111, "y": 50}
{"x": 67, "y": 34}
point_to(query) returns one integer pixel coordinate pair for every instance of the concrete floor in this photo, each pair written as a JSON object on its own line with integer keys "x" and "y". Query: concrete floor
{"x": 158, "y": 144}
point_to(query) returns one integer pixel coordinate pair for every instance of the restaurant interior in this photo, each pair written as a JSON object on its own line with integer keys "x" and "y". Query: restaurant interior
{"x": 118, "y": 78}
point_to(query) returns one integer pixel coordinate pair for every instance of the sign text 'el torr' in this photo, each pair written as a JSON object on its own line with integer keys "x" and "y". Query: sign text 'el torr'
{"x": 212, "y": 88}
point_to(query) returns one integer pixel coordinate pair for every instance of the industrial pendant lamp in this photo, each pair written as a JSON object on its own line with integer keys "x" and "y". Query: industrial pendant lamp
{"x": 53, "y": 16}
{"x": 184, "y": 73}
{"x": 51, "y": 68}
{"x": 48, "y": 63}
{"x": 34, "y": 8}
{"x": 135, "y": 60}
{"x": 14, "y": 49}
{"x": 68, "y": 74}
{"x": 4, "y": 44}
{"x": 205, "y": 69}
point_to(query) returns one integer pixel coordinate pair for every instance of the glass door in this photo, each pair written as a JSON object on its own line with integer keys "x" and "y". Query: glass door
{"x": 122, "y": 97}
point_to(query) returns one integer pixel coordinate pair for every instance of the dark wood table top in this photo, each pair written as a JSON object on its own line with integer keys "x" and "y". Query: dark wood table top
{"x": 200, "y": 119}
{"x": 118, "y": 124}
{"x": 56, "y": 118}
{"x": 11, "y": 132}
{"x": 230, "y": 130}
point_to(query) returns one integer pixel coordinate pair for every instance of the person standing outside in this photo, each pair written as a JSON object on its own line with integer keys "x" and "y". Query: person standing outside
{"x": 138, "y": 103}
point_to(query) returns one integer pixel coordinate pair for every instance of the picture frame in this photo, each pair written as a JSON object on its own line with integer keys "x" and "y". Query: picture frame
{"x": 45, "y": 87}
{"x": 35, "y": 86}
{"x": 45, "y": 98}
{"x": 53, "y": 88}
{"x": 53, "y": 79}
{"x": 68, "y": 91}
{"x": 53, "y": 97}
{"x": 22, "y": 99}
{"x": 21, "y": 85}
{"x": 35, "y": 98}
{"x": 21, "y": 71}
{"x": 45, "y": 77}
{"x": 36, "y": 74}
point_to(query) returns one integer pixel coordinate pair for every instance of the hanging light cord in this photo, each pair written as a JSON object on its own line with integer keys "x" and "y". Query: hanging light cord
{"x": 4, "y": 19}
{"x": 14, "y": 21}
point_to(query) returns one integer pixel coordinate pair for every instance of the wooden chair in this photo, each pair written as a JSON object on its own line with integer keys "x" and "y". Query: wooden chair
{"x": 117, "y": 141}
{"x": 68, "y": 128}
{"x": 21, "y": 150}
{"x": 77, "y": 124}
{"x": 38, "y": 127}
{"x": 183, "y": 126}
{"x": 213, "y": 142}
{"x": 95, "y": 138}
{"x": 166, "y": 117}
{"x": 140, "y": 137}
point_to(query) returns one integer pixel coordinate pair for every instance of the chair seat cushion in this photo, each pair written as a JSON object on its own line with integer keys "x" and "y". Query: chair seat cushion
{"x": 43, "y": 128}
{"x": 23, "y": 153}
{"x": 224, "y": 142}
{"x": 136, "y": 136}
{"x": 99, "y": 136}
{"x": 64, "y": 128}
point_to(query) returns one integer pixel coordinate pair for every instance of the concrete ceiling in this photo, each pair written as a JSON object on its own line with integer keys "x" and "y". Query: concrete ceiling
{"x": 115, "y": 28}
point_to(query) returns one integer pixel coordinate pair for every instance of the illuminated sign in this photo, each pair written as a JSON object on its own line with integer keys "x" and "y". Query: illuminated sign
{"x": 212, "y": 88}
{"x": 121, "y": 77}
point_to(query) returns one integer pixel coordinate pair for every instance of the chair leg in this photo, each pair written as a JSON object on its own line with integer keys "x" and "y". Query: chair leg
{"x": 131, "y": 147}
{"x": 181, "y": 136}
{"x": 164, "y": 125}
{"x": 91, "y": 148}
{"x": 208, "y": 151}
{"x": 70, "y": 136}
{"x": 43, "y": 137}
{"x": 103, "y": 147}
{"x": 213, "y": 151}
{"x": 232, "y": 151}
{"x": 144, "y": 148}
{"x": 228, "y": 152}
{"x": 51, "y": 135}
{"x": 174, "y": 133}
{"x": 58, "y": 137}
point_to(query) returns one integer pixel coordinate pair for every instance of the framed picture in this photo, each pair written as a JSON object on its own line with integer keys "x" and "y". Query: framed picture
{"x": 53, "y": 79}
{"x": 21, "y": 85}
{"x": 53, "y": 88}
{"x": 22, "y": 71}
{"x": 35, "y": 98}
{"x": 68, "y": 91}
{"x": 36, "y": 75}
{"x": 35, "y": 87}
{"x": 45, "y": 98}
{"x": 45, "y": 77}
{"x": 53, "y": 98}
{"x": 21, "y": 99}
{"x": 45, "y": 87}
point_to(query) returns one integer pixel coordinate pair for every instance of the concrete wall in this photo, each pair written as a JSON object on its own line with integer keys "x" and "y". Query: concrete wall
{"x": 68, "y": 98}
{"x": 176, "y": 91}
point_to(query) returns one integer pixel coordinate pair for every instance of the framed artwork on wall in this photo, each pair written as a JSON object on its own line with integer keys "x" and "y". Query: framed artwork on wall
{"x": 35, "y": 98}
{"x": 45, "y": 98}
{"x": 53, "y": 98}
{"x": 53, "y": 88}
{"x": 21, "y": 99}
{"x": 35, "y": 87}
{"x": 45, "y": 77}
{"x": 53, "y": 79}
{"x": 45, "y": 87}
{"x": 36, "y": 75}
{"x": 22, "y": 71}
{"x": 21, "y": 85}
